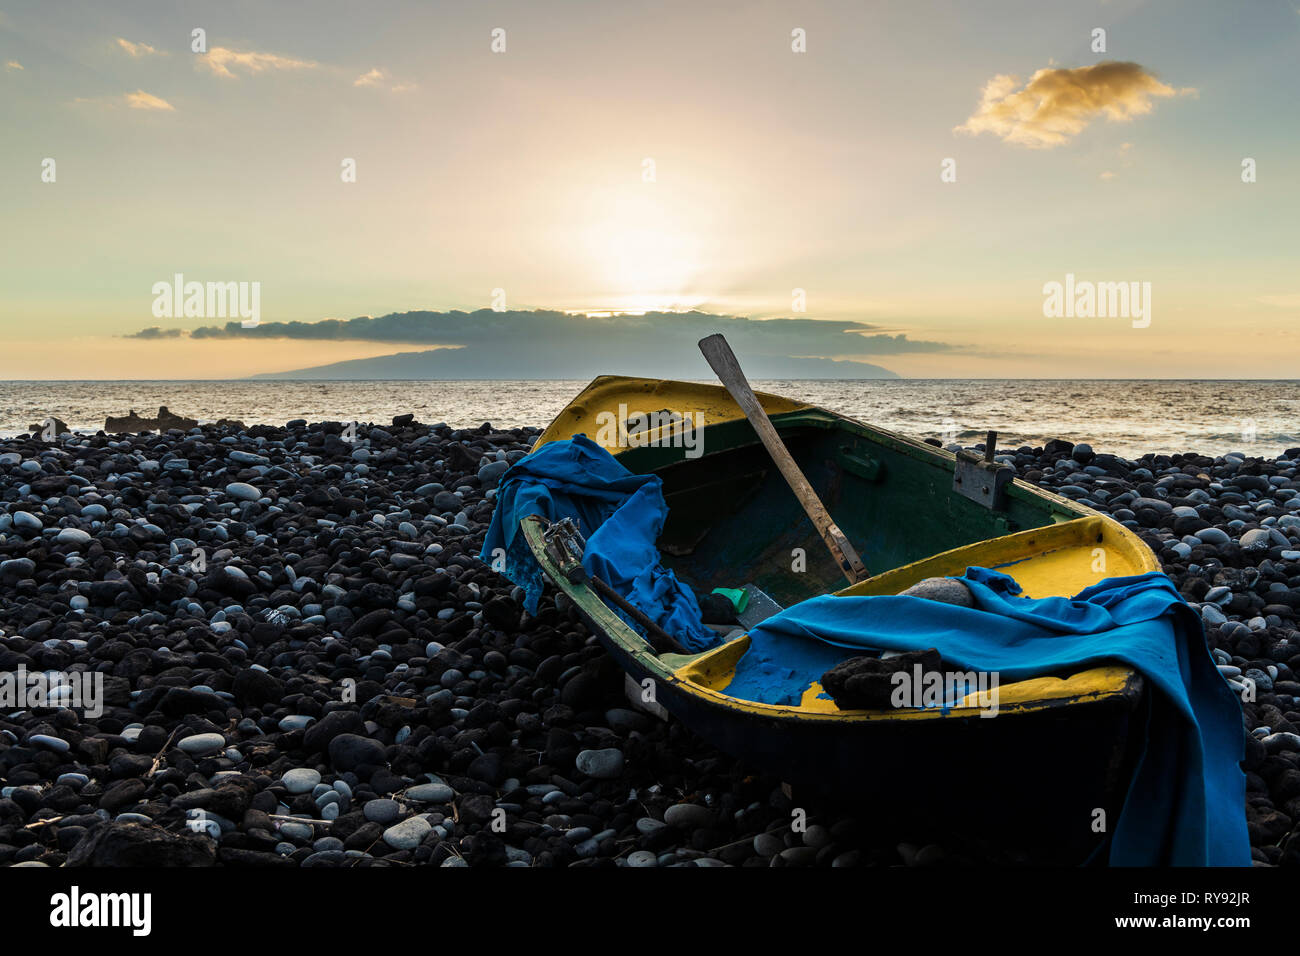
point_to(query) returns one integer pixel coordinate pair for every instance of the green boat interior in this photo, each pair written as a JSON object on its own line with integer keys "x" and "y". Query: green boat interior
{"x": 733, "y": 520}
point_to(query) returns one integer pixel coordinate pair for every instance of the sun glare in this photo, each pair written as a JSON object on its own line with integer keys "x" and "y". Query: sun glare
{"x": 643, "y": 252}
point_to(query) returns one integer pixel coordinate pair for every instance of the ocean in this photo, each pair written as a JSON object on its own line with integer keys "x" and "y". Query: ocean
{"x": 1127, "y": 418}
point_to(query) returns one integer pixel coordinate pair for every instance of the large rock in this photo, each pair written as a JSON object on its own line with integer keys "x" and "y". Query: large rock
{"x": 167, "y": 420}
{"x": 133, "y": 844}
{"x": 321, "y": 734}
{"x": 257, "y": 687}
{"x": 230, "y": 798}
{"x": 350, "y": 751}
{"x": 163, "y": 421}
{"x": 39, "y": 428}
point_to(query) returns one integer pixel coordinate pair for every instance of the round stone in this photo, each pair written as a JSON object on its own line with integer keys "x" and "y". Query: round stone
{"x": 944, "y": 590}
{"x": 1256, "y": 539}
{"x": 430, "y": 793}
{"x": 27, "y": 521}
{"x": 243, "y": 491}
{"x": 300, "y": 780}
{"x": 768, "y": 844}
{"x": 53, "y": 743}
{"x": 301, "y": 832}
{"x": 407, "y": 834}
{"x": 816, "y": 836}
{"x": 799, "y": 855}
{"x": 382, "y": 810}
{"x": 687, "y": 816}
{"x": 197, "y": 745}
{"x": 602, "y": 764}
{"x": 17, "y": 567}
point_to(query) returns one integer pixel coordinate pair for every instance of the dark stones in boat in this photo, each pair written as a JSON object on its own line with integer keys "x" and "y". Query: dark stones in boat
{"x": 867, "y": 682}
{"x": 944, "y": 590}
{"x": 715, "y": 609}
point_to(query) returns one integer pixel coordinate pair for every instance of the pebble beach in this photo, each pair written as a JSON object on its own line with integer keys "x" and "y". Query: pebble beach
{"x": 304, "y": 663}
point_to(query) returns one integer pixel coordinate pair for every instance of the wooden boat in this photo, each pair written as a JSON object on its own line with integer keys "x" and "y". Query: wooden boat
{"x": 1059, "y": 749}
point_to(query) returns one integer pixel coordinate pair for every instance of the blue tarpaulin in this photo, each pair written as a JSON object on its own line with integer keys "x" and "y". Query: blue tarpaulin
{"x": 1186, "y": 802}
{"x": 620, "y": 514}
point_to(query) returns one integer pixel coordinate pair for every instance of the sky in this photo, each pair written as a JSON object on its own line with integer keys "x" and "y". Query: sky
{"x": 747, "y": 159}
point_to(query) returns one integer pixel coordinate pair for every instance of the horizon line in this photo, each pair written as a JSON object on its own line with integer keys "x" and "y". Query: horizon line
{"x": 258, "y": 379}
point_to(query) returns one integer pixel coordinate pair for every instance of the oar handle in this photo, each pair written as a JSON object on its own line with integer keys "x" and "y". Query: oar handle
{"x": 724, "y": 363}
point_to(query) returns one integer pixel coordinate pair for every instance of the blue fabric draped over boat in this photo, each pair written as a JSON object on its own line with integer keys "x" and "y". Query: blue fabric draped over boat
{"x": 620, "y": 514}
{"x": 1186, "y": 802}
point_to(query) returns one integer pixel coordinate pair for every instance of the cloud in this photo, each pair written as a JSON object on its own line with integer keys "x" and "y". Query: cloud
{"x": 140, "y": 100}
{"x": 223, "y": 61}
{"x": 154, "y": 332}
{"x": 380, "y": 78}
{"x": 13, "y": 65}
{"x": 1058, "y": 104}
{"x": 546, "y": 343}
{"x": 138, "y": 50}
{"x": 795, "y": 337}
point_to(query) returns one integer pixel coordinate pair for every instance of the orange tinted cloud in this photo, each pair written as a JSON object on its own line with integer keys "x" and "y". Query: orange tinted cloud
{"x": 1057, "y": 104}
{"x": 224, "y": 62}
{"x": 138, "y": 50}
{"x": 379, "y": 78}
{"x": 140, "y": 100}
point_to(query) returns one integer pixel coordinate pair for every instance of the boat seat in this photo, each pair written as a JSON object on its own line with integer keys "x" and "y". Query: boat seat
{"x": 758, "y": 609}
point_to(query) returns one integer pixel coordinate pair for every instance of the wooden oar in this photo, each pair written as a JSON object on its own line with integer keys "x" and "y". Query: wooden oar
{"x": 723, "y": 362}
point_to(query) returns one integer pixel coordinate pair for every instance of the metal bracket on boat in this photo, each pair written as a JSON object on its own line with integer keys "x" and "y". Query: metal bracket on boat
{"x": 982, "y": 480}
{"x": 565, "y": 547}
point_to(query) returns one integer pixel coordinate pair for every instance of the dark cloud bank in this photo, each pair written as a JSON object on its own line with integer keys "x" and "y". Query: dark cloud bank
{"x": 546, "y": 344}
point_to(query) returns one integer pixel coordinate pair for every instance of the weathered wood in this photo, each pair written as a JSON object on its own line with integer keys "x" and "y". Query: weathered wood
{"x": 724, "y": 363}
